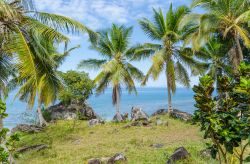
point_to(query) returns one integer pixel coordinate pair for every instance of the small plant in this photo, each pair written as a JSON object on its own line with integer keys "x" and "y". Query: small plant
{"x": 225, "y": 118}
{"x": 7, "y": 143}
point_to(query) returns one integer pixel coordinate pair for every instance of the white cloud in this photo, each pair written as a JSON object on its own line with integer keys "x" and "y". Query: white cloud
{"x": 101, "y": 13}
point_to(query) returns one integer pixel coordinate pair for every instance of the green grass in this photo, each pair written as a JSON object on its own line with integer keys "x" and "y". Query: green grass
{"x": 68, "y": 145}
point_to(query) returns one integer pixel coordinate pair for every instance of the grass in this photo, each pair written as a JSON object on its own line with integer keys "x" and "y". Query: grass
{"x": 77, "y": 145}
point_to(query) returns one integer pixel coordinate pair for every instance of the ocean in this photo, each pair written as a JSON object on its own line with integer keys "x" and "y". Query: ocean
{"x": 149, "y": 99}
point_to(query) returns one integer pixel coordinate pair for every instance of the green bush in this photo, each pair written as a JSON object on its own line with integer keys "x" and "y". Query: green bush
{"x": 225, "y": 117}
{"x": 77, "y": 87}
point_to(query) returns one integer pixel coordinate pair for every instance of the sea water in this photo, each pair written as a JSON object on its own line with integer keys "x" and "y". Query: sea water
{"x": 149, "y": 99}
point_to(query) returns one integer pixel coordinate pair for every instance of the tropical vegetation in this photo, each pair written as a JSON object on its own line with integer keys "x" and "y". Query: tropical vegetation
{"x": 213, "y": 43}
{"x": 225, "y": 119}
{"x": 77, "y": 87}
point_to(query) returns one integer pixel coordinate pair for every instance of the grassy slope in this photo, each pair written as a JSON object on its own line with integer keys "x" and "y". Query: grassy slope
{"x": 82, "y": 143}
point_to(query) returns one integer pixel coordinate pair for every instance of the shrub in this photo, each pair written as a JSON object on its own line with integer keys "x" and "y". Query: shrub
{"x": 225, "y": 118}
{"x": 77, "y": 87}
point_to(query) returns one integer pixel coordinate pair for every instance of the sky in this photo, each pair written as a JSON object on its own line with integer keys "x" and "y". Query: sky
{"x": 100, "y": 14}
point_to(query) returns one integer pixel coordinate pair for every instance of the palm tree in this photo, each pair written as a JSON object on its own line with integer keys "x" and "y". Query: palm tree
{"x": 228, "y": 18}
{"x": 116, "y": 69}
{"x": 215, "y": 53}
{"x": 28, "y": 37}
{"x": 167, "y": 55}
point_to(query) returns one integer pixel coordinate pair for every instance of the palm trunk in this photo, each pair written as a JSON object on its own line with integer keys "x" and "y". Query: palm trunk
{"x": 239, "y": 50}
{"x": 116, "y": 102}
{"x": 169, "y": 95}
{"x": 1, "y": 119}
{"x": 42, "y": 121}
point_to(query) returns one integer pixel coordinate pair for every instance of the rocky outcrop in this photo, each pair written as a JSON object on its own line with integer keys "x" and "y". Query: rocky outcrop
{"x": 160, "y": 112}
{"x": 137, "y": 114}
{"x": 95, "y": 122}
{"x": 33, "y": 147}
{"x": 179, "y": 154}
{"x": 180, "y": 115}
{"x": 206, "y": 153}
{"x": 120, "y": 117}
{"x": 27, "y": 128}
{"x": 117, "y": 158}
{"x": 70, "y": 112}
{"x": 94, "y": 161}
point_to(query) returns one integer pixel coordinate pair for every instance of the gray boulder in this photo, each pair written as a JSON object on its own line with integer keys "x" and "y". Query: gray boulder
{"x": 119, "y": 157}
{"x": 137, "y": 114}
{"x": 160, "y": 112}
{"x": 181, "y": 115}
{"x": 71, "y": 112}
{"x": 94, "y": 161}
{"x": 179, "y": 154}
{"x": 94, "y": 122}
{"x": 27, "y": 128}
{"x": 206, "y": 153}
{"x": 117, "y": 118}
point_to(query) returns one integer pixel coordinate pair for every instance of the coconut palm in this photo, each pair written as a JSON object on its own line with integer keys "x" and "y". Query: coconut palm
{"x": 28, "y": 37}
{"x": 116, "y": 69}
{"x": 167, "y": 55}
{"x": 228, "y": 18}
{"x": 215, "y": 54}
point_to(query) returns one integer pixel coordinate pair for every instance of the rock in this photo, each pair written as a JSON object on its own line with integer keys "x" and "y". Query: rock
{"x": 33, "y": 147}
{"x": 104, "y": 160}
{"x": 137, "y": 114}
{"x": 140, "y": 123}
{"x": 160, "y": 122}
{"x": 118, "y": 118}
{"x": 70, "y": 112}
{"x": 94, "y": 122}
{"x": 119, "y": 157}
{"x": 206, "y": 153}
{"x": 179, "y": 154}
{"x": 125, "y": 116}
{"x": 27, "y": 128}
{"x": 157, "y": 146}
{"x": 160, "y": 112}
{"x": 94, "y": 161}
{"x": 180, "y": 115}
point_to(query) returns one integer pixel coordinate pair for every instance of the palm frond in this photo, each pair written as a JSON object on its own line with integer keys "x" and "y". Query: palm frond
{"x": 91, "y": 64}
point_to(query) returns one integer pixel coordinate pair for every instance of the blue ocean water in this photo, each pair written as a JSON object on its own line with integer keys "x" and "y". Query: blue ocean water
{"x": 149, "y": 99}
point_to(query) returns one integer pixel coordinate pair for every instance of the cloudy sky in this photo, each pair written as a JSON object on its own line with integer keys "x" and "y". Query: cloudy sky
{"x": 99, "y": 14}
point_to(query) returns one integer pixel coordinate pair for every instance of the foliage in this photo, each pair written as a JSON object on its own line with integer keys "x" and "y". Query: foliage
{"x": 7, "y": 143}
{"x": 116, "y": 69}
{"x": 225, "y": 118}
{"x": 228, "y": 19}
{"x": 77, "y": 87}
{"x": 28, "y": 38}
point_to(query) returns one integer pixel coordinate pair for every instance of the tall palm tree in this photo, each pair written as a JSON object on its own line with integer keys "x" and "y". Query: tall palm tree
{"x": 228, "y": 18}
{"x": 28, "y": 37}
{"x": 167, "y": 55}
{"x": 116, "y": 70}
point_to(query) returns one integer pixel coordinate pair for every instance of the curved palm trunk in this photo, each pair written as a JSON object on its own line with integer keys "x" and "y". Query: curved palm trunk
{"x": 1, "y": 119}
{"x": 42, "y": 121}
{"x": 169, "y": 95}
{"x": 239, "y": 49}
{"x": 239, "y": 56}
